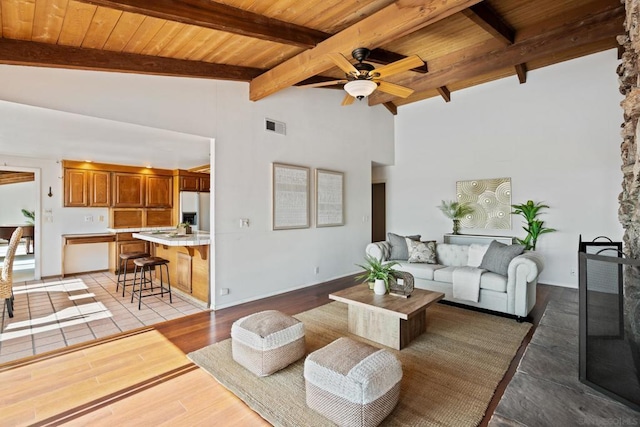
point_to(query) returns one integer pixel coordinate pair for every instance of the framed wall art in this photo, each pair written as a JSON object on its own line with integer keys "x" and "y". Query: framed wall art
{"x": 329, "y": 198}
{"x": 491, "y": 200}
{"x": 290, "y": 188}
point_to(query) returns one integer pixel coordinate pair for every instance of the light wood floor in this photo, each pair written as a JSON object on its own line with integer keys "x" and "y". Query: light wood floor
{"x": 144, "y": 377}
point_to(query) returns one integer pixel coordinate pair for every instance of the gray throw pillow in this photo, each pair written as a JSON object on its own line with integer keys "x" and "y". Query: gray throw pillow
{"x": 499, "y": 256}
{"x": 399, "y": 249}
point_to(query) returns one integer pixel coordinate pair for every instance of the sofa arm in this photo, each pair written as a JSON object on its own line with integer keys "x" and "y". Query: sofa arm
{"x": 530, "y": 264}
{"x": 379, "y": 250}
{"x": 522, "y": 278}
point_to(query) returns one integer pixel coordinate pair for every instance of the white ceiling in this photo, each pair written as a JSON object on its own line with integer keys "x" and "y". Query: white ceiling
{"x": 42, "y": 133}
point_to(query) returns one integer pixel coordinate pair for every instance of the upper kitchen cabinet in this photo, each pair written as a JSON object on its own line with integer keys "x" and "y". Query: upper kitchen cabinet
{"x": 100, "y": 189}
{"x": 205, "y": 183}
{"x": 128, "y": 190}
{"x": 159, "y": 191}
{"x": 193, "y": 181}
{"x": 76, "y": 188}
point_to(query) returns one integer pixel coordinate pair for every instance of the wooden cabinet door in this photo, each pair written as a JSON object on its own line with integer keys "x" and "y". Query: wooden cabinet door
{"x": 75, "y": 188}
{"x": 159, "y": 191}
{"x": 183, "y": 270}
{"x": 189, "y": 183}
{"x": 205, "y": 184}
{"x": 130, "y": 246}
{"x": 100, "y": 188}
{"x": 128, "y": 190}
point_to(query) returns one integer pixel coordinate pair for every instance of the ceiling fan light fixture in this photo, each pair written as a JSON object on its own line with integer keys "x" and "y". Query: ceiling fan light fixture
{"x": 360, "y": 88}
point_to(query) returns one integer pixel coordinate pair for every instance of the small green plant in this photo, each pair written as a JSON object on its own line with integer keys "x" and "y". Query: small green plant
{"x": 376, "y": 269}
{"x": 535, "y": 227}
{"x": 455, "y": 211}
{"x": 30, "y": 215}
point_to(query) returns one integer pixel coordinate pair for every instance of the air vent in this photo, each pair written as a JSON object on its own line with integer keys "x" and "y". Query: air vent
{"x": 275, "y": 126}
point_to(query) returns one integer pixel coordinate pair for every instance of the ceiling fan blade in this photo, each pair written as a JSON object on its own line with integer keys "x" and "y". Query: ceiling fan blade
{"x": 405, "y": 64}
{"x": 329, "y": 83}
{"x": 348, "y": 100}
{"x": 343, "y": 63}
{"x": 394, "y": 89}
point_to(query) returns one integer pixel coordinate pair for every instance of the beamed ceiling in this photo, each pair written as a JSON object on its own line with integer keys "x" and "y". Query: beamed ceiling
{"x": 276, "y": 44}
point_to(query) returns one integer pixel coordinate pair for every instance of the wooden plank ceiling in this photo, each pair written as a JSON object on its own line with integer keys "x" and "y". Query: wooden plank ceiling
{"x": 279, "y": 43}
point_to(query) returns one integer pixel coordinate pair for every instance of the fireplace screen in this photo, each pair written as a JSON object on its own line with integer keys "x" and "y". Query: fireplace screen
{"x": 609, "y": 352}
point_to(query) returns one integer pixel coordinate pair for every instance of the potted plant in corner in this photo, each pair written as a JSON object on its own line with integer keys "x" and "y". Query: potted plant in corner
{"x": 456, "y": 211}
{"x": 535, "y": 227}
{"x": 377, "y": 274}
{"x": 30, "y": 215}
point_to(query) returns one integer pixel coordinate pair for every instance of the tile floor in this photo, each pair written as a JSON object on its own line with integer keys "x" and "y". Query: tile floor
{"x": 54, "y": 313}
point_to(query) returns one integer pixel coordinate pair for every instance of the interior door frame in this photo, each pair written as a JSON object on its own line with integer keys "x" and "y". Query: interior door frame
{"x": 37, "y": 223}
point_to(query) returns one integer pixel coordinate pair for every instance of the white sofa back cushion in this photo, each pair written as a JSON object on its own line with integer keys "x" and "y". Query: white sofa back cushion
{"x": 476, "y": 253}
{"x": 452, "y": 255}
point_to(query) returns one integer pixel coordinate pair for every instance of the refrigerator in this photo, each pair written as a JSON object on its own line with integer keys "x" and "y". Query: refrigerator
{"x": 195, "y": 208}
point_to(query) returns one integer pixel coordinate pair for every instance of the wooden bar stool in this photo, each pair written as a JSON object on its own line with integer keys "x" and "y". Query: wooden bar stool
{"x": 147, "y": 265}
{"x": 124, "y": 261}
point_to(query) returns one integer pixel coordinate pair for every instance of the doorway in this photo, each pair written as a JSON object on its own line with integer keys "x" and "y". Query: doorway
{"x": 22, "y": 187}
{"x": 378, "y": 212}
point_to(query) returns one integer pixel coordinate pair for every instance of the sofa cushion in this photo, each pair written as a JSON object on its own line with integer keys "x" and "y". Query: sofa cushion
{"x": 419, "y": 270}
{"x": 399, "y": 249}
{"x": 444, "y": 274}
{"x": 452, "y": 255}
{"x": 476, "y": 253}
{"x": 421, "y": 252}
{"x": 493, "y": 282}
{"x": 499, "y": 256}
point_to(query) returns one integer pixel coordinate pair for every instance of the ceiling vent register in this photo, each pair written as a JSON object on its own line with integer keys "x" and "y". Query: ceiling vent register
{"x": 275, "y": 126}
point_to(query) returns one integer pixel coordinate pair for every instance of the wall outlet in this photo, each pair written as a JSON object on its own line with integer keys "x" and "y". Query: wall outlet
{"x": 316, "y": 270}
{"x": 244, "y": 222}
{"x": 224, "y": 291}
{"x": 572, "y": 272}
{"x": 88, "y": 218}
{"x": 101, "y": 218}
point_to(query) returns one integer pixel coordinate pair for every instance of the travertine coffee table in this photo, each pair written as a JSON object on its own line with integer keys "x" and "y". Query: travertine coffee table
{"x": 389, "y": 320}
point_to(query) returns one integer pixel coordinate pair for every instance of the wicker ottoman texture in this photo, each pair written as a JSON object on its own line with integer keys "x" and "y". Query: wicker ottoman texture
{"x": 352, "y": 383}
{"x": 267, "y": 341}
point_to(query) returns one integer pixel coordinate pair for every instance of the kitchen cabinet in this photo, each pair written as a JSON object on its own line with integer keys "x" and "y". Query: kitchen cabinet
{"x": 193, "y": 181}
{"x": 75, "y": 188}
{"x": 159, "y": 191}
{"x": 128, "y": 190}
{"x": 124, "y": 243}
{"x": 205, "y": 183}
{"x": 99, "y": 189}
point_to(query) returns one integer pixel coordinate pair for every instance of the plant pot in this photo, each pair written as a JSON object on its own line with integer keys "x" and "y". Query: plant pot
{"x": 379, "y": 287}
{"x": 371, "y": 285}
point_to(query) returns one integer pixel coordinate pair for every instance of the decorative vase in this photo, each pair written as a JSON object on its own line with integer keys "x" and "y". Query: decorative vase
{"x": 379, "y": 287}
{"x": 456, "y": 226}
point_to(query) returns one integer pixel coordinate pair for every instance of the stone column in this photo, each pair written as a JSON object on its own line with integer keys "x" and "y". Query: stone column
{"x": 629, "y": 211}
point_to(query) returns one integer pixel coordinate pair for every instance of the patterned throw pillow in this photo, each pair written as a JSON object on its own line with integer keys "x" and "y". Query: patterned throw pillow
{"x": 423, "y": 252}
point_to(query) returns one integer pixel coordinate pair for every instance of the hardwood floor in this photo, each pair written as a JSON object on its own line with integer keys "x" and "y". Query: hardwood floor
{"x": 142, "y": 379}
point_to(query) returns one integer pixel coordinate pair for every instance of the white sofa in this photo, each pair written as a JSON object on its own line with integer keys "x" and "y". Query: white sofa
{"x": 514, "y": 294}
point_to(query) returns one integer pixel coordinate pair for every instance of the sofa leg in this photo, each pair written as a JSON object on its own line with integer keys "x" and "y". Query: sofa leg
{"x": 520, "y": 319}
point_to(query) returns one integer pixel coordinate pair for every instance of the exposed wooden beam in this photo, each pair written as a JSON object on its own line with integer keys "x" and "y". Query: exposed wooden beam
{"x": 15, "y": 177}
{"x": 485, "y": 17}
{"x": 218, "y": 16}
{"x": 445, "y": 93}
{"x": 18, "y": 52}
{"x": 582, "y": 31}
{"x": 396, "y": 20}
{"x": 393, "y": 109}
{"x": 221, "y": 17}
{"x": 521, "y": 71}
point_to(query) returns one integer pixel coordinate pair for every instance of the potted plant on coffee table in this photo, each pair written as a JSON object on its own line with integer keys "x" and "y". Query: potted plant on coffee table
{"x": 456, "y": 211}
{"x": 377, "y": 273}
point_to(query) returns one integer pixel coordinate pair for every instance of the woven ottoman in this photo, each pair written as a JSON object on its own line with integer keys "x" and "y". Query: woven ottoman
{"x": 352, "y": 383}
{"x": 267, "y": 341}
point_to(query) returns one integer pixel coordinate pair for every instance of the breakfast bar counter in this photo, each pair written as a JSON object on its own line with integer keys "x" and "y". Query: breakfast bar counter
{"x": 188, "y": 256}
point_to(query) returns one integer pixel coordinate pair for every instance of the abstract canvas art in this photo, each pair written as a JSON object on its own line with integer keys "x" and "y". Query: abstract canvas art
{"x": 491, "y": 200}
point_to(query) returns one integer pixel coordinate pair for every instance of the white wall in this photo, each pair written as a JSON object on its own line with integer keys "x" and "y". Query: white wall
{"x": 22, "y": 196}
{"x": 256, "y": 261}
{"x": 557, "y": 137}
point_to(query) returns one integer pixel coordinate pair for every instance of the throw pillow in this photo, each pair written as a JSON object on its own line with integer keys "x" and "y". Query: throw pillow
{"x": 499, "y": 256}
{"x": 424, "y": 252}
{"x": 399, "y": 249}
{"x": 476, "y": 253}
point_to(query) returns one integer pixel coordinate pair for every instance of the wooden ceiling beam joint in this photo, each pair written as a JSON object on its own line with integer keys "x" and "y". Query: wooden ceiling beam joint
{"x": 393, "y": 109}
{"x": 489, "y": 20}
{"x": 445, "y": 93}
{"x": 521, "y": 72}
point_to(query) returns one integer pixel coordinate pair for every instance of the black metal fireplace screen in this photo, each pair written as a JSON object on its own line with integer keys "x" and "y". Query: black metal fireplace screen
{"x": 609, "y": 352}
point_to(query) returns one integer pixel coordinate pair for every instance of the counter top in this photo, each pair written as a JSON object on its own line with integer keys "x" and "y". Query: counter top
{"x": 199, "y": 238}
{"x": 139, "y": 229}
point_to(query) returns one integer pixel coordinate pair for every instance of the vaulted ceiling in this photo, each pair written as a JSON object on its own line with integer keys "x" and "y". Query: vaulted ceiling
{"x": 280, "y": 43}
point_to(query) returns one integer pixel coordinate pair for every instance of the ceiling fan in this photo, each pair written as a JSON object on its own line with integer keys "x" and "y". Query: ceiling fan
{"x": 363, "y": 78}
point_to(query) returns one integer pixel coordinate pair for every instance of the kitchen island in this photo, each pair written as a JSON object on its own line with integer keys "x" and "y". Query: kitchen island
{"x": 188, "y": 256}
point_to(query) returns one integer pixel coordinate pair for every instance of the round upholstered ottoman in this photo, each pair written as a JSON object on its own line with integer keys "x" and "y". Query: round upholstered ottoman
{"x": 352, "y": 383}
{"x": 267, "y": 341}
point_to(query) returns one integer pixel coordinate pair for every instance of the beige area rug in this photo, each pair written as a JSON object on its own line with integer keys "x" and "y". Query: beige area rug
{"x": 449, "y": 373}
